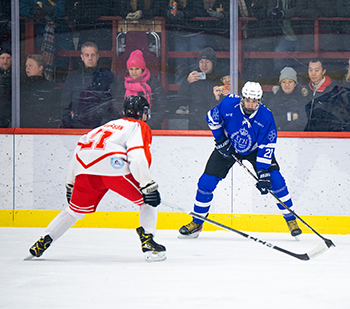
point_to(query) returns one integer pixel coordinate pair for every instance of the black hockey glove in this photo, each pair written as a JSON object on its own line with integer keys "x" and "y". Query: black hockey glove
{"x": 264, "y": 182}
{"x": 150, "y": 194}
{"x": 69, "y": 190}
{"x": 225, "y": 148}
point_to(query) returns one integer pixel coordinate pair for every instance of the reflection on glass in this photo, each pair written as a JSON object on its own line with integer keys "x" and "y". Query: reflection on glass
{"x": 5, "y": 64}
{"x": 273, "y": 35}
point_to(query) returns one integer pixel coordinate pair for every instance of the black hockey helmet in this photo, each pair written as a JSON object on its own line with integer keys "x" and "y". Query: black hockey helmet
{"x": 135, "y": 107}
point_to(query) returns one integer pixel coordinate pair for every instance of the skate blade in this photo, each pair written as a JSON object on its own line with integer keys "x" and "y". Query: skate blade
{"x": 29, "y": 257}
{"x": 191, "y": 236}
{"x": 151, "y": 256}
{"x": 297, "y": 238}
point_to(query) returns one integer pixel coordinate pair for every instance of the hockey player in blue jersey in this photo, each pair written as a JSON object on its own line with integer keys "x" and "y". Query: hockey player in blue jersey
{"x": 244, "y": 127}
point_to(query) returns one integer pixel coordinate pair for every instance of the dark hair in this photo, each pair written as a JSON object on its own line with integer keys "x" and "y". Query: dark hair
{"x": 314, "y": 60}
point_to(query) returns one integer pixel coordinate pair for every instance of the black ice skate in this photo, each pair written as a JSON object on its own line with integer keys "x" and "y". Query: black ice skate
{"x": 294, "y": 229}
{"x": 40, "y": 246}
{"x": 191, "y": 230}
{"x": 153, "y": 252}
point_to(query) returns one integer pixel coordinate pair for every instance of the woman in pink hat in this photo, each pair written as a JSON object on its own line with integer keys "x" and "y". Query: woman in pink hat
{"x": 138, "y": 82}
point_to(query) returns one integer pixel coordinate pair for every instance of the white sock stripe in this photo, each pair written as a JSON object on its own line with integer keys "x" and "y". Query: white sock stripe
{"x": 200, "y": 204}
{"x": 263, "y": 160}
{"x": 77, "y": 208}
{"x": 285, "y": 211}
{"x": 285, "y": 198}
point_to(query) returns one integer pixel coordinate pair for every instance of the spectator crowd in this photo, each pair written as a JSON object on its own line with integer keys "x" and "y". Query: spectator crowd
{"x": 85, "y": 92}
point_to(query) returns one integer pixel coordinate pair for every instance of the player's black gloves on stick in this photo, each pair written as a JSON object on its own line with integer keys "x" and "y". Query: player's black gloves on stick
{"x": 224, "y": 147}
{"x": 69, "y": 190}
{"x": 264, "y": 181}
{"x": 150, "y": 194}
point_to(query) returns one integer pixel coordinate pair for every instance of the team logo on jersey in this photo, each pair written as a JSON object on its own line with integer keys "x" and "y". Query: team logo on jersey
{"x": 117, "y": 163}
{"x": 215, "y": 114}
{"x": 243, "y": 132}
{"x": 272, "y": 135}
{"x": 241, "y": 140}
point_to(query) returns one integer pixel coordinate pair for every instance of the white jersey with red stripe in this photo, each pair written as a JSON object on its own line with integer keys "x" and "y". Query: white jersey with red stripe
{"x": 119, "y": 147}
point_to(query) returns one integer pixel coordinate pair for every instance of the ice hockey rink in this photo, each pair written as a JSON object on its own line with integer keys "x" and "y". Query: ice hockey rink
{"x": 104, "y": 268}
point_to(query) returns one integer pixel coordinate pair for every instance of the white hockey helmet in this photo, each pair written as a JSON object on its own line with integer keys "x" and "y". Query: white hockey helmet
{"x": 252, "y": 90}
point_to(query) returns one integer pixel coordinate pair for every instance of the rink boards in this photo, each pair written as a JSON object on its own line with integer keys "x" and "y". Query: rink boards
{"x": 34, "y": 166}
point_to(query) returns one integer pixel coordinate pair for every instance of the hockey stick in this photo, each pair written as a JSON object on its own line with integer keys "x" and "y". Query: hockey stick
{"x": 328, "y": 242}
{"x": 304, "y": 257}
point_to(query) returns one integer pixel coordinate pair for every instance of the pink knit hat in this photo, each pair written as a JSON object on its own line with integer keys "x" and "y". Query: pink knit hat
{"x": 136, "y": 60}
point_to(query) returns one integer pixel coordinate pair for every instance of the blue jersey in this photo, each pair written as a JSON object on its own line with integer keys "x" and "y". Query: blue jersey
{"x": 246, "y": 133}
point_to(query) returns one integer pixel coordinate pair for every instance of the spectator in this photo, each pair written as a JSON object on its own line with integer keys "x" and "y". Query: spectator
{"x": 329, "y": 39}
{"x": 257, "y": 37}
{"x": 286, "y": 40}
{"x": 145, "y": 9}
{"x": 346, "y": 80}
{"x": 89, "y": 93}
{"x": 328, "y": 103}
{"x": 273, "y": 31}
{"x": 5, "y": 86}
{"x": 138, "y": 82}
{"x": 84, "y": 17}
{"x": 5, "y": 22}
{"x": 223, "y": 90}
{"x": 288, "y": 103}
{"x": 197, "y": 91}
{"x": 51, "y": 33}
{"x": 40, "y": 98}
{"x": 315, "y": 9}
{"x": 187, "y": 34}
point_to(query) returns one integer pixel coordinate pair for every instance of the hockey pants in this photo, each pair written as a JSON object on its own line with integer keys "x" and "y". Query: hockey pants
{"x": 87, "y": 193}
{"x": 217, "y": 168}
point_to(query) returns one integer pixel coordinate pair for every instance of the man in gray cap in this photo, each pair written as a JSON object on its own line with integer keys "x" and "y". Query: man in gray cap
{"x": 197, "y": 89}
{"x": 288, "y": 102}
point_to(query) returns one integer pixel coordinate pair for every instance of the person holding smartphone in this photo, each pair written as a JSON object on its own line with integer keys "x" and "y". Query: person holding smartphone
{"x": 197, "y": 89}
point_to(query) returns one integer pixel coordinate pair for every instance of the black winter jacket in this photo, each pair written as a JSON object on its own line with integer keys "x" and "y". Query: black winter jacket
{"x": 329, "y": 108}
{"x": 281, "y": 104}
{"x": 200, "y": 98}
{"x": 40, "y": 103}
{"x": 89, "y": 98}
{"x": 5, "y": 98}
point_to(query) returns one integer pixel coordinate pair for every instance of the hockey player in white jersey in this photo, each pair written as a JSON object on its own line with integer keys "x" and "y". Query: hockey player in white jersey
{"x": 245, "y": 128}
{"x": 117, "y": 157}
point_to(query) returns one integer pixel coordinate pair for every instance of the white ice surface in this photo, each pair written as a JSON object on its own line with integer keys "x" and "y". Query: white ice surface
{"x": 104, "y": 268}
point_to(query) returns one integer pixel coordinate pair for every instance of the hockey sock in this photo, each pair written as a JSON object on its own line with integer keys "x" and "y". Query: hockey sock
{"x": 148, "y": 218}
{"x": 279, "y": 188}
{"x": 204, "y": 195}
{"x": 64, "y": 220}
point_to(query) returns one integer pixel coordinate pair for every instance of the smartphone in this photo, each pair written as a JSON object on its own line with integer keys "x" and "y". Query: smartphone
{"x": 202, "y": 74}
{"x": 224, "y": 87}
